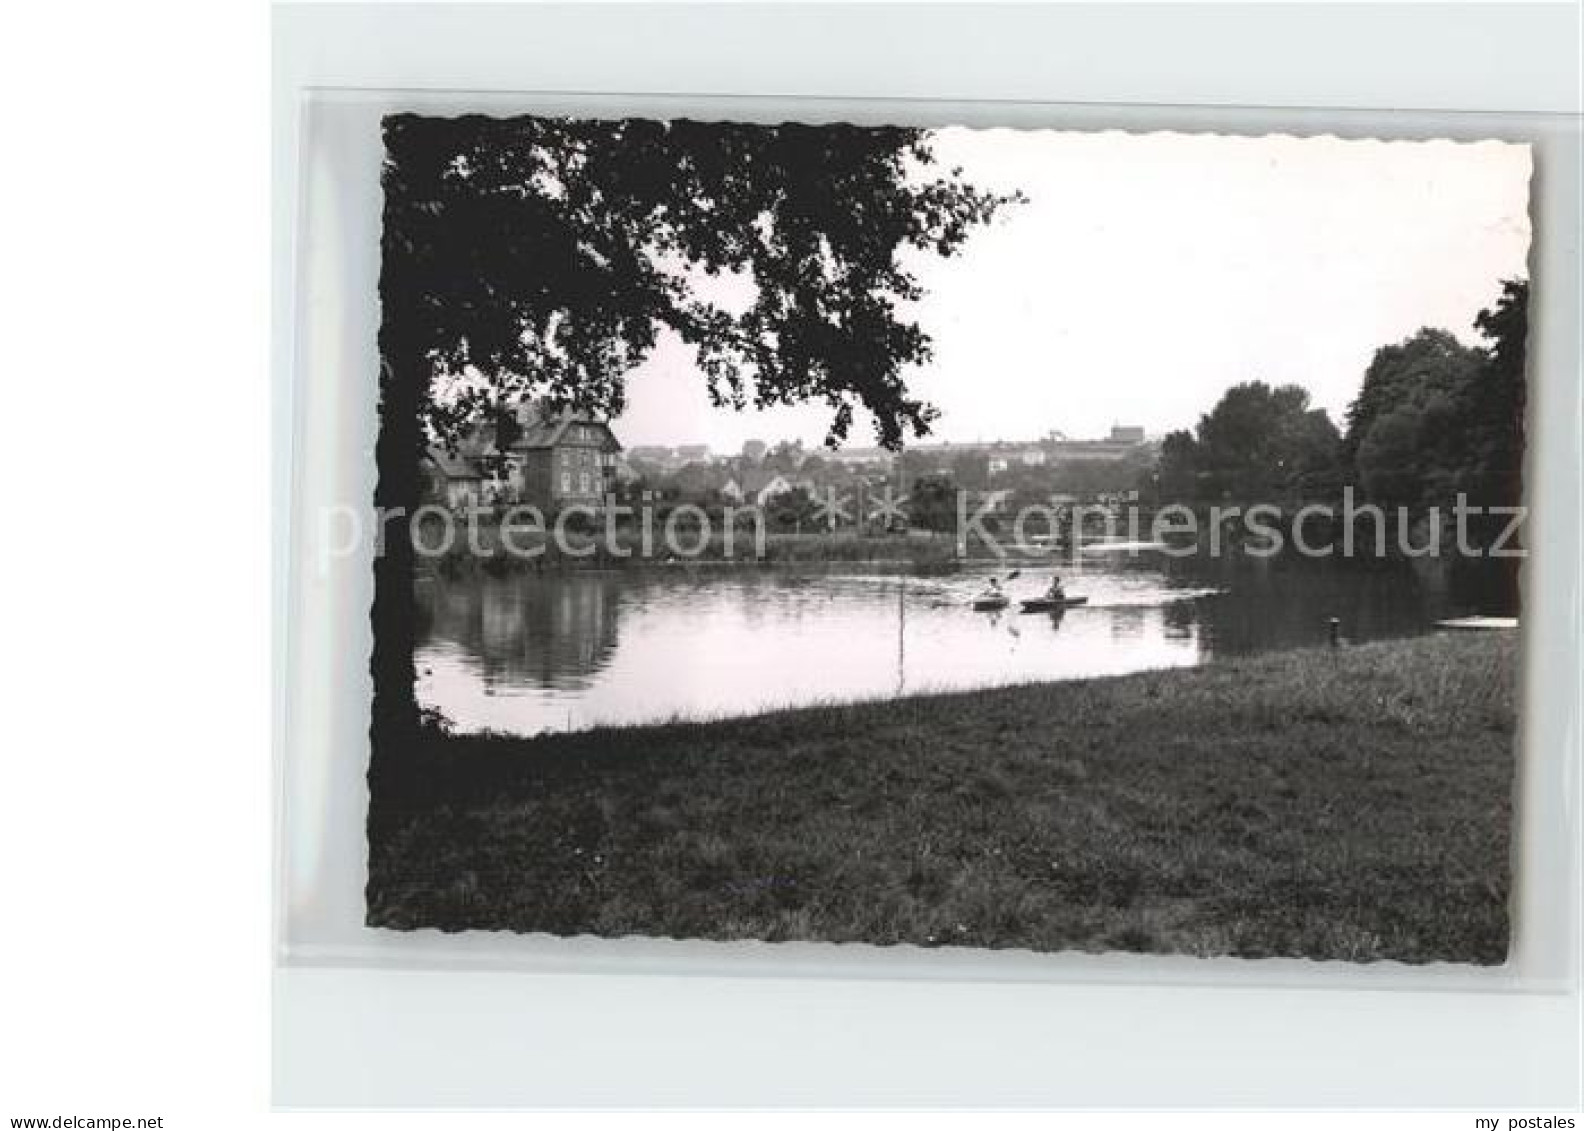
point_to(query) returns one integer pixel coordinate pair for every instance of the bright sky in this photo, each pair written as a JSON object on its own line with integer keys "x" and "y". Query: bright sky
{"x": 1149, "y": 272}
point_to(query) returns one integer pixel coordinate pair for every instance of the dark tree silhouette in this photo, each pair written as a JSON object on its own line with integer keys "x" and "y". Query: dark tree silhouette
{"x": 1500, "y": 399}
{"x": 548, "y": 254}
{"x": 1435, "y": 417}
{"x": 934, "y": 502}
{"x": 545, "y": 256}
{"x": 1258, "y": 444}
{"x": 1430, "y": 367}
{"x": 1178, "y": 470}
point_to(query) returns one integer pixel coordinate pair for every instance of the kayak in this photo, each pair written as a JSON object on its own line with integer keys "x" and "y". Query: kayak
{"x": 1050, "y": 604}
{"x": 990, "y": 604}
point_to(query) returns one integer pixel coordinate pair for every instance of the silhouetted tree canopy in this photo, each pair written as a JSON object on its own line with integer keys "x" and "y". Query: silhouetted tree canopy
{"x": 1178, "y": 469}
{"x": 545, "y": 255}
{"x": 1257, "y": 443}
{"x": 791, "y": 510}
{"x": 933, "y": 502}
{"x": 1435, "y": 417}
{"x": 785, "y": 458}
{"x": 1499, "y": 402}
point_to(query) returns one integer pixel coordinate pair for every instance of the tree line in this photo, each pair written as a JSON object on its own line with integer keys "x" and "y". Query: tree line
{"x": 1433, "y": 419}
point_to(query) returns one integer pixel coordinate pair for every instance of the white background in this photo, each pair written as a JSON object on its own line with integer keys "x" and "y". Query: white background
{"x": 134, "y": 810}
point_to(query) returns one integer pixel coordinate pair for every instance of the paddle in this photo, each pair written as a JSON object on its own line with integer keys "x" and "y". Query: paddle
{"x": 1009, "y": 577}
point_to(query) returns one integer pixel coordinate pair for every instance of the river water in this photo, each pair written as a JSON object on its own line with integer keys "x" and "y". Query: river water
{"x": 533, "y": 653}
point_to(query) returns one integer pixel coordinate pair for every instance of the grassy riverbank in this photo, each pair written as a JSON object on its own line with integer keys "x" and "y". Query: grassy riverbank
{"x": 1349, "y": 804}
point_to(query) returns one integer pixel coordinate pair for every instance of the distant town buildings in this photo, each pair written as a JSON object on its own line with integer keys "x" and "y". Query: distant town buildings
{"x": 758, "y": 486}
{"x": 556, "y": 461}
{"x": 669, "y": 458}
{"x": 654, "y": 453}
{"x": 1005, "y": 455}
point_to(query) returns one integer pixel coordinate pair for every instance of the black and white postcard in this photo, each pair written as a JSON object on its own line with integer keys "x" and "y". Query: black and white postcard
{"x": 1029, "y": 539}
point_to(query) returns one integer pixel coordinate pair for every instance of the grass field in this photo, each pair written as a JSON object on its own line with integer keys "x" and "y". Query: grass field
{"x": 1348, "y": 804}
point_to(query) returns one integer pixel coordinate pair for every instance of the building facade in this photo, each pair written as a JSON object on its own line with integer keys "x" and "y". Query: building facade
{"x": 453, "y": 478}
{"x": 550, "y": 462}
{"x": 569, "y": 461}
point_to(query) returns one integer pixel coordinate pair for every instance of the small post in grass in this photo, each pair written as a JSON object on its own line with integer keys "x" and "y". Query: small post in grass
{"x": 1335, "y": 624}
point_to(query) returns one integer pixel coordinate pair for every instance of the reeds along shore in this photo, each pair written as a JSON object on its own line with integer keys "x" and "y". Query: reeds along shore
{"x": 713, "y": 548}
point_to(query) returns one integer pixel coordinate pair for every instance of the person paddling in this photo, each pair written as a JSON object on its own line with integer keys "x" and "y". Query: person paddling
{"x": 1056, "y": 592}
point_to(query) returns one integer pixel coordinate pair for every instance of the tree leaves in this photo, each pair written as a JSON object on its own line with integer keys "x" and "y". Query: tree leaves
{"x": 1258, "y": 444}
{"x": 1435, "y": 417}
{"x": 547, "y": 255}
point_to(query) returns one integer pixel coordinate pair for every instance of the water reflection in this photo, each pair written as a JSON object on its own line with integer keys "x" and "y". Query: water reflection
{"x": 1127, "y": 623}
{"x": 532, "y": 653}
{"x": 556, "y": 635}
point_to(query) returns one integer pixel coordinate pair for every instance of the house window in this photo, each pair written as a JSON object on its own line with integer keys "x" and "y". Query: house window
{"x": 583, "y": 483}
{"x": 566, "y": 481}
